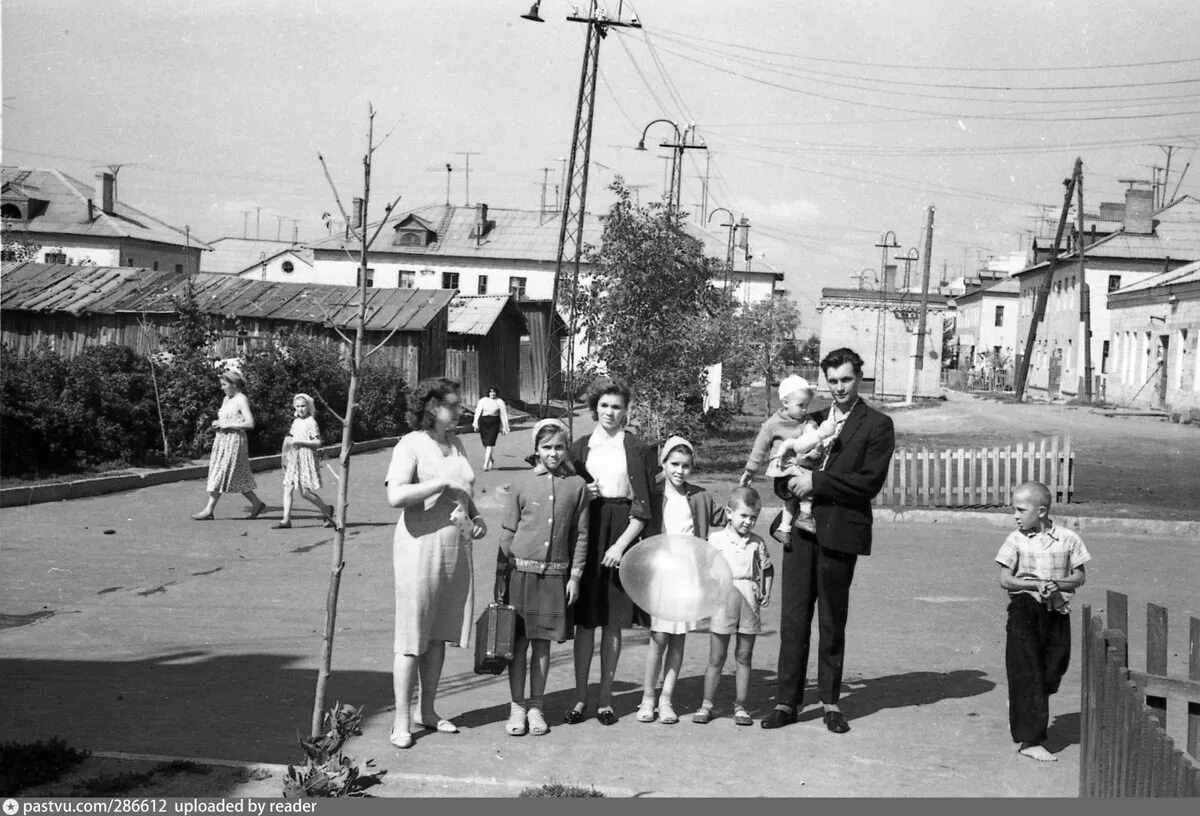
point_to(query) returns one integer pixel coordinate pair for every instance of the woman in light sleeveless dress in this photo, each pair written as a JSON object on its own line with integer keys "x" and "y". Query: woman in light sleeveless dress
{"x": 431, "y": 481}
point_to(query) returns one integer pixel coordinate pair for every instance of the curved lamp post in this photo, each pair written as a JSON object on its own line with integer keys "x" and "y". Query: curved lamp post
{"x": 676, "y": 155}
{"x": 729, "y": 246}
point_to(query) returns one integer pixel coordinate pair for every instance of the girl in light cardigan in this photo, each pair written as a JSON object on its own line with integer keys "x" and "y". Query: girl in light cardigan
{"x": 543, "y": 546}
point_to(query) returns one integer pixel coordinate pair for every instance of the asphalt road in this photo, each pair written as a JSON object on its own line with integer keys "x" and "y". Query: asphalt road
{"x": 182, "y": 638}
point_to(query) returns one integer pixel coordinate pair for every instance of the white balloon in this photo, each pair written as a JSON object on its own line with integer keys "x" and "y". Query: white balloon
{"x": 676, "y": 577}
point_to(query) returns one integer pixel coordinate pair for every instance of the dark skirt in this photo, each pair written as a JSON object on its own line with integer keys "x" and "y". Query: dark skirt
{"x": 489, "y": 430}
{"x": 602, "y": 601}
{"x": 541, "y": 604}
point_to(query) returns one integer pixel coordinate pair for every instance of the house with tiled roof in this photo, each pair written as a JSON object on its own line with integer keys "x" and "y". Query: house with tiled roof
{"x": 484, "y": 250}
{"x": 51, "y": 217}
{"x": 1148, "y": 243}
{"x": 1155, "y": 360}
{"x": 260, "y": 259}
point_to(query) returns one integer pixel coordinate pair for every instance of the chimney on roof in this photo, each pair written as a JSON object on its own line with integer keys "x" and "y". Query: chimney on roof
{"x": 480, "y": 222}
{"x": 1139, "y": 211}
{"x": 889, "y": 278}
{"x": 108, "y": 191}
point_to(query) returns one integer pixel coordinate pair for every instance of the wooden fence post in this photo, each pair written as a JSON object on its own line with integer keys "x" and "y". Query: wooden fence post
{"x": 1156, "y": 656}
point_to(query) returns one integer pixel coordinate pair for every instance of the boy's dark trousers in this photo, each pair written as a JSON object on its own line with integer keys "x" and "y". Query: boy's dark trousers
{"x": 1036, "y": 655}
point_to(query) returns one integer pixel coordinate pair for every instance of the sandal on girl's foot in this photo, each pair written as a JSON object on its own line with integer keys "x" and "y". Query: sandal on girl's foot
{"x": 703, "y": 716}
{"x": 666, "y": 714}
{"x": 576, "y": 715}
{"x": 606, "y": 715}
{"x": 281, "y": 525}
{"x": 537, "y": 723}
{"x": 328, "y": 514}
{"x": 515, "y": 727}
{"x": 401, "y": 739}
{"x": 202, "y": 516}
{"x": 741, "y": 716}
{"x": 645, "y": 712}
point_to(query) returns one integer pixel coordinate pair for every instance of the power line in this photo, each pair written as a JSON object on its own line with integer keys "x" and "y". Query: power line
{"x": 1028, "y": 69}
{"x": 736, "y": 53}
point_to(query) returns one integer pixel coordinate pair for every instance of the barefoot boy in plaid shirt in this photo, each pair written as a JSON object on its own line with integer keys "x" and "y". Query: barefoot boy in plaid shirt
{"x": 1041, "y": 566}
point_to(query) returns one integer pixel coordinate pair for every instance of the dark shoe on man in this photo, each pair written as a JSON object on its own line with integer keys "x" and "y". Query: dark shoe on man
{"x": 835, "y": 721}
{"x": 778, "y": 717}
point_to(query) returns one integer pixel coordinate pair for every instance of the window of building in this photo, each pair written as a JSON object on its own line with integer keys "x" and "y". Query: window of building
{"x": 370, "y": 278}
{"x": 1104, "y": 359}
{"x": 288, "y": 267}
{"x": 10, "y": 211}
{"x": 516, "y": 287}
{"x": 408, "y": 279}
{"x": 482, "y": 288}
{"x": 178, "y": 269}
{"x": 449, "y": 280}
{"x": 999, "y": 321}
{"x": 1114, "y": 282}
{"x": 56, "y": 257}
{"x": 156, "y": 266}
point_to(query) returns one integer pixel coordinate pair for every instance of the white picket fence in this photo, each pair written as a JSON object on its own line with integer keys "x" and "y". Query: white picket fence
{"x": 958, "y": 477}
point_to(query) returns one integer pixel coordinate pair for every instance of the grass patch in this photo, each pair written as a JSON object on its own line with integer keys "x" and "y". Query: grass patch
{"x": 112, "y": 784}
{"x": 254, "y": 775}
{"x": 24, "y": 765}
{"x": 182, "y": 766}
{"x": 559, "y": 790}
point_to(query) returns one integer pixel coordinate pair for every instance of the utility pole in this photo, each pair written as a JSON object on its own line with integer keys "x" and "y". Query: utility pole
{"x": 295, "y": 230}
{"x": 1085, "y": 296}
{"x": 688, "y": 142}
{"x": 704, "y": 190}
{"x": 1043, "y": 290}
{"x": 575, "y": 179}
{"x": 466, "y": 170}
{"x": 279, "y": 219}
{"x": 245, "y": 217}
{"x": 880, "y": 322}
{"x": 919, "y": 357}
{"x": 257, "y": 223}
{"x": 545, "y": 184}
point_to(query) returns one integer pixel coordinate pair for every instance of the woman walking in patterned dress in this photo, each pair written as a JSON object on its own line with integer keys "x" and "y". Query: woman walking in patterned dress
{"x": 229, "y": 462}
{"x": 300, "y": 469}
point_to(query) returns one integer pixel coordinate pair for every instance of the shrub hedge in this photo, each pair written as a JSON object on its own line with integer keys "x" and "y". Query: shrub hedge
{"x": 61, "y": 416}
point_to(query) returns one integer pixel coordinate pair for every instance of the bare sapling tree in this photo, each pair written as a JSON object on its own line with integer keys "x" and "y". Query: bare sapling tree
{"x": 358, "y": 226}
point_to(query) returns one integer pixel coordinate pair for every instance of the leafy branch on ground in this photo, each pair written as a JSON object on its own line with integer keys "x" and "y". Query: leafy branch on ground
{"x": 327, "y": 771}
{"x": 26, "y": 765}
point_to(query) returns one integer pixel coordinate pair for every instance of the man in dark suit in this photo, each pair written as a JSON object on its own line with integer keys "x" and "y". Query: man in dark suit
{"x": 818, "y": 569}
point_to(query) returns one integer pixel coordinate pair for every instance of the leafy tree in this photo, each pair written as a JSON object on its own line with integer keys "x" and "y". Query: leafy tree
{"x": 653, "y": 314}
{"x": 761, "y": 334}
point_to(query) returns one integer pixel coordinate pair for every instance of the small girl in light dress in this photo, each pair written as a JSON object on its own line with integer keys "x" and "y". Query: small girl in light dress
{"x": 676, "y": 507}
{"x": 300, "y": 468}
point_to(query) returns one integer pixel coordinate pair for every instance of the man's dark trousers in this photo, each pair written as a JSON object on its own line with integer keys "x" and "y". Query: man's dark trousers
{"x": 813, "y": 577}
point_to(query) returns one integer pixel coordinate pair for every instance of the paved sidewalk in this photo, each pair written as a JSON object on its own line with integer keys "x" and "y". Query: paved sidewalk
{"x": 172, "y": 637}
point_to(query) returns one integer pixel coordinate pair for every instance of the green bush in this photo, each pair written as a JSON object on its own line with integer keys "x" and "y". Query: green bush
{"x": 26, "y": 765}
{"x": 110, "y": 397}
{"x": 33, "y": 421}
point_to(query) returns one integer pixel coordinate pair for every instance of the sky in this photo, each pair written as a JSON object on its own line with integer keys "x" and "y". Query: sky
{"x": 827, "y": 124}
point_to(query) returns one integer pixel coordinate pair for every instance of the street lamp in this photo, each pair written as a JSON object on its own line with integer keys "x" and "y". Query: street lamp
{"x": 908, "y": 258}
{"x": 729, "y": 246}
{"x": 533, "y": 13}
{"x": 672, "y": 196}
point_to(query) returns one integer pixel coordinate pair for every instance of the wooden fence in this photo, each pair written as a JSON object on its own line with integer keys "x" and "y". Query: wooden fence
{"x": 978, "y": 476}
{"x": 1125, "y": 749}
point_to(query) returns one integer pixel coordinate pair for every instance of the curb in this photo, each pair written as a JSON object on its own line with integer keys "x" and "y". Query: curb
{"x": 1077, "y": 523}
{"x": 82, "y": 488}
{"x": 274, "y": 768}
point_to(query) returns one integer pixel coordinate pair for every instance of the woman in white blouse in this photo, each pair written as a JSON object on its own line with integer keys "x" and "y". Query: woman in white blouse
{"x": 491, "y": 418}
{"x": 619, "y": 469}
